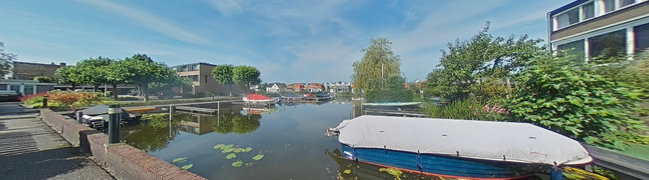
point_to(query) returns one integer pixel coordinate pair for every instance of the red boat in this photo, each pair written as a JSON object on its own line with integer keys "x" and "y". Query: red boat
{"x": 258, "y": 98}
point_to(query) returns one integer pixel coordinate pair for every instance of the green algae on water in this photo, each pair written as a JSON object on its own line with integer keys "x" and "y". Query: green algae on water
{"x": 258, "y": 157}
{"x": 186, "y": 167}
{"x": 179, "y": 160}
{"x": 230, "y": 156}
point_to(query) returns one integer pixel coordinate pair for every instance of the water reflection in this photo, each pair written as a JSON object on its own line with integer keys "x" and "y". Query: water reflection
{"x": 235, "y": 122}
{"x": 154, "y": 133}
{"x": 156, "y": 130}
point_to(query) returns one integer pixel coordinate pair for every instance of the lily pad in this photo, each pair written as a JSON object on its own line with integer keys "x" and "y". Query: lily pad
{"x": 186, "y": 167}
{"x": 258, "y": 157}
{"x": 249, "y": 164}
{"x": 179, "y": 160}
{"x": 248, "y": 149}
{"x": 237, "y": 164}
{"x": 229, "y": 146}
{"x": 238, "y": 150}
{"x": 230, "y": 156}
{"x": 219, "y": 146}
{"x": 347, "y": 171}
{"x": 228, "y": 150}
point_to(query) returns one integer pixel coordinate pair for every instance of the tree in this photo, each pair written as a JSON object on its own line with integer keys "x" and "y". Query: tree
{"x": 69, "y": 75}
{"x": 246, "y": 75}
{"x": 575, "y": 99}
{"x": 393, "y": 91}
{"x": 44, "y": 79}
{"x": 6, "y": 60}
{"x": 93, "y": 71}
{"x": 378, "y": 63}
{"x": 140, "y": 70}
{"x": 467, "y": 63}
{"x": 114, "y": 75}
{"x": 223, "y": 75}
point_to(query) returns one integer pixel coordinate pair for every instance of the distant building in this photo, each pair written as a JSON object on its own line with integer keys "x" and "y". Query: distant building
{"x": 276, "y": 87}
{"x": 24, "y": 87}
{"x": 338, "y": 87}
{"x": 27, "y": 70}
{"x": 600, "y": 28}
{"x": 202, "y": 81}
{"x": 314, "y": 87}
{"x": 296, "y": 87}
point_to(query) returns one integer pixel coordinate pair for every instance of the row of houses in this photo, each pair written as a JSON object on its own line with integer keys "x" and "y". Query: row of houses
{"x": 332, "y": 87}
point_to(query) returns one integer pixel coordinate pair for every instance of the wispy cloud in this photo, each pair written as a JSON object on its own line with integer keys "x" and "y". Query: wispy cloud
{"x": 149, "y": 21}
{"x": 225, "y": 7}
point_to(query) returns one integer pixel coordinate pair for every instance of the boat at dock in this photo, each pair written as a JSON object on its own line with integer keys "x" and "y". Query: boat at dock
{"x": 462, "y": 149}
{"x": 259, "y": 99}
{"x": 292, "y": 98}
{"x": 393, "y": 105}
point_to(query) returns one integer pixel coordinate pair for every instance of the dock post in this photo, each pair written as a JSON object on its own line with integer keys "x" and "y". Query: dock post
{"x": 113, "y": 124}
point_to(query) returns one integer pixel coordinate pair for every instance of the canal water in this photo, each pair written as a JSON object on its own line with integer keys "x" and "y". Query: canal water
{"x": 290, "y": 138}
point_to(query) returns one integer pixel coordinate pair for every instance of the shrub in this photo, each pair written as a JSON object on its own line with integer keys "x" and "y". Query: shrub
{"x": 469, "y": 109}
{"x": 571, "y": 98}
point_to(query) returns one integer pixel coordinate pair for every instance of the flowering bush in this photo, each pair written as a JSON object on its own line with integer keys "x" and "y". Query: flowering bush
{"x": 62, "y": 99}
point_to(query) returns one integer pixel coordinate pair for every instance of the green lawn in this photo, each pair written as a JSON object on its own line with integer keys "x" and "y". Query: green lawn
{"x": 637, "y": 150}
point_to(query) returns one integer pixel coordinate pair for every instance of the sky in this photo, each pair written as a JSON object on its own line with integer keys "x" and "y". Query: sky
{"x": 288, "y": 41}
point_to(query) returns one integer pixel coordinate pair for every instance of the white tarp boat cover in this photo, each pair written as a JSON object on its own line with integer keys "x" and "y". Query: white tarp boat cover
{"x": 498, "y": 141}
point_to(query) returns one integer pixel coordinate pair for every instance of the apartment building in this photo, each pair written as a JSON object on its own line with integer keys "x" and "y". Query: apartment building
{"x": 600, "y": 28}
{"x": 200, "y": 74}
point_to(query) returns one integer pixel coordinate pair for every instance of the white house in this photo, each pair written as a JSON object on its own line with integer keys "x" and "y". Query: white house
{"x": 276, "y": 87}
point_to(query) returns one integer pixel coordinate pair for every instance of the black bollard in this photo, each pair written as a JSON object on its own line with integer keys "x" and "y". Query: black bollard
{"x": 44, "y": 101}
{"x": 113, "y": 124}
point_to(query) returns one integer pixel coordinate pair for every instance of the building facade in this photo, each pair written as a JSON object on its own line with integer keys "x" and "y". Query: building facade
{"x": 201, "y": 76}
{"x": 27, "y": 70}
{"x": 24, "y": 87}
{"x": 202, "y": 81}
{"x": 338, "y": 87}
{"x": 276, "y": 87}
{"x": 591, "y": 29}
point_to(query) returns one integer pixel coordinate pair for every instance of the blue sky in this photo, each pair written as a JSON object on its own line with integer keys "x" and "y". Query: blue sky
{"x": 289, "y": 41}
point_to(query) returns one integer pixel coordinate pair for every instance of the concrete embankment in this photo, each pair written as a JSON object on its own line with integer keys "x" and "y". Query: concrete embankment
{"x": 122, "y": 160}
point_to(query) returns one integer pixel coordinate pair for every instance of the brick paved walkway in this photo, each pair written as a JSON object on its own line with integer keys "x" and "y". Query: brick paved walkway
{"x": 29, "y": 149}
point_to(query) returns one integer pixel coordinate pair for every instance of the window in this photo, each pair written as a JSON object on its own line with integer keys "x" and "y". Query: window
{"x": 624, "y": 3}
{"x": 609, "y": 5}
{"x": 568, "y": 18}
{"x": 588, "y": 10}
{"x": 194, "y": 78}
{"x": 575, "y": 49}
{"x": 193, "y": 67}
{"x": 641, "y": 38}
{"x": 3, "y": 87}
{"x": 607, "y": 45}
{"x": 14, "y": 88}
{"x": 205, "y": 78}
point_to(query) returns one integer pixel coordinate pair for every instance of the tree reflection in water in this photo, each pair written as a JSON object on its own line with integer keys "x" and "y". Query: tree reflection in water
{"x": 235, "y": 122}
{"x": 154, "y": 132}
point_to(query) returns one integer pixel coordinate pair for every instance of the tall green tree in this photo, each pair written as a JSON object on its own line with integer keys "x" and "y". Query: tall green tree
{"x": 224, "y": 75}
{"x": 69, "y": 75}
{"x": 114, "y": 75}
{"x": 378, "y": 63}
{"x": 246, "y": 75}
{"x": 140, "y": 70}
{"x": 6, "y": 60}
{"x": 467, "y": 63}
{"x": 93, "y": 71}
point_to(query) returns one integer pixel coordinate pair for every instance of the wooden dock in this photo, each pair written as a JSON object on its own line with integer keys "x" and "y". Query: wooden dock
{"x": 404, "y": 113}
{"x": 196, "y": 109}
{"x": 624, "y": 164}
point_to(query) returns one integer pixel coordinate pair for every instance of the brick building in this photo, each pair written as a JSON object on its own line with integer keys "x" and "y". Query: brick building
{"x": 27, "y": 70}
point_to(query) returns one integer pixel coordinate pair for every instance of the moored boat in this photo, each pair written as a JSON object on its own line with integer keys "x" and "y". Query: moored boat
{"x": 457, "y": 148}
{"x": 292, "y": 98}
{"x": 259, "y": 99}
{"x": 393, "y": 105}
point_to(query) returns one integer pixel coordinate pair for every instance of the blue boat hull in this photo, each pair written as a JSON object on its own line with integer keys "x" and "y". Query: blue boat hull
{"x": 439, "y": 165}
